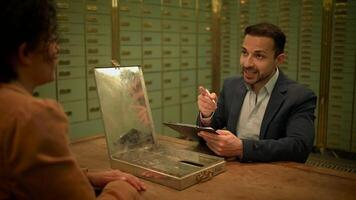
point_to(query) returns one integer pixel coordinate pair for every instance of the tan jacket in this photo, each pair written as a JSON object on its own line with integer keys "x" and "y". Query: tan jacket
{"x": 35, "y": 159}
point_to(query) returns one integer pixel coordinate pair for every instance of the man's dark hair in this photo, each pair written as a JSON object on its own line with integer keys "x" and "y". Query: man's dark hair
{"x": 271, "y": 31}
{"x": 24, "y": 21}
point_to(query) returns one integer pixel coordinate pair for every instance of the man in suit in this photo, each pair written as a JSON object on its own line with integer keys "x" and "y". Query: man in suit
{"x": 261, "y": 116}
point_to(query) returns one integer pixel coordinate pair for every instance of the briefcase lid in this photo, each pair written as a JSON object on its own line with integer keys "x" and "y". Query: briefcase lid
{"x": 125, "y": 108}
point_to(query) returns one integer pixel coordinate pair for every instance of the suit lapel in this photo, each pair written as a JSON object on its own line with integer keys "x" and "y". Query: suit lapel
{"x": 236, "y": 104}
{"x": 276, "y": 100}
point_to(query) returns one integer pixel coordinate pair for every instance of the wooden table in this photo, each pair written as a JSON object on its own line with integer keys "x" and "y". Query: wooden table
{"x": 280, "y": 180}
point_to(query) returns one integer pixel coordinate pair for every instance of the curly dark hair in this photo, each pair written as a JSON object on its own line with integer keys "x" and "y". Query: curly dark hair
{"x": 268, "y": 30}
{"x": 24, "y": 21}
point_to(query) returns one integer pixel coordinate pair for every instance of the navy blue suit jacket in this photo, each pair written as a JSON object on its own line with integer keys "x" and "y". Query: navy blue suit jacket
{"x": 287, "y": 129}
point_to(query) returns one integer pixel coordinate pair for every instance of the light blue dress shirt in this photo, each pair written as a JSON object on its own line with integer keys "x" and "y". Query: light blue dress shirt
{"x": 253, "y": 110}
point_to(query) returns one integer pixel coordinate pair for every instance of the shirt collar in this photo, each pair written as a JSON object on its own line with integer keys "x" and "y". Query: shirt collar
{"x": 270, "y": 84}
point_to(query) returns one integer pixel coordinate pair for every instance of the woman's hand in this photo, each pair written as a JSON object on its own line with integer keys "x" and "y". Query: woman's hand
{"x": 100, "y": 179}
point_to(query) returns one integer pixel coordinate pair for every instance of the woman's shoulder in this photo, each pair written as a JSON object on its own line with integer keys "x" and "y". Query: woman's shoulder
{"x": 14, "y": 101}
{"x": 43, "y": 108}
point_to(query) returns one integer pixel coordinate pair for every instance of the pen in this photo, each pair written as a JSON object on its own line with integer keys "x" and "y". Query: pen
{"x": 205, "y": 91}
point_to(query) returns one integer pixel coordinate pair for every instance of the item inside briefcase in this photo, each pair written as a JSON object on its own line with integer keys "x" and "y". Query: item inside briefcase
{"x": 131, "y": 137}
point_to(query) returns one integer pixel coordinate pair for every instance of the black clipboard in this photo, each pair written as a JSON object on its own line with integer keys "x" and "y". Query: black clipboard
{"x": 189, "y": 130}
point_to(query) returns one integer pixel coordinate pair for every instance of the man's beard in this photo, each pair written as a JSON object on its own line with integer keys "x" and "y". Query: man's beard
{"x": 260, "y": 78}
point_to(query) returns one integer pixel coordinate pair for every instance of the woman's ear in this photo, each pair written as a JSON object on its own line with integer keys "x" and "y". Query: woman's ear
{"x": 24, "y": 55}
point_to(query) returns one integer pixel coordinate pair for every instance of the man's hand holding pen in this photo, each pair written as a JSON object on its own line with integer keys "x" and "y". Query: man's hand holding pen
{"x": 206, "y": 102}
{"x": 224, "y": 143}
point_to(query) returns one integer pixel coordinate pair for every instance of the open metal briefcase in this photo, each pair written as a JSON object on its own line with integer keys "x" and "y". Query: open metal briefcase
{"x": 130, "y": 134}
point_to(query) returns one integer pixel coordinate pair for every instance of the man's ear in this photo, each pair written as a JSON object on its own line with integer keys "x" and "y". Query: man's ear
{"x": 281, "y": 58}
{"x": 24, "y": 55}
